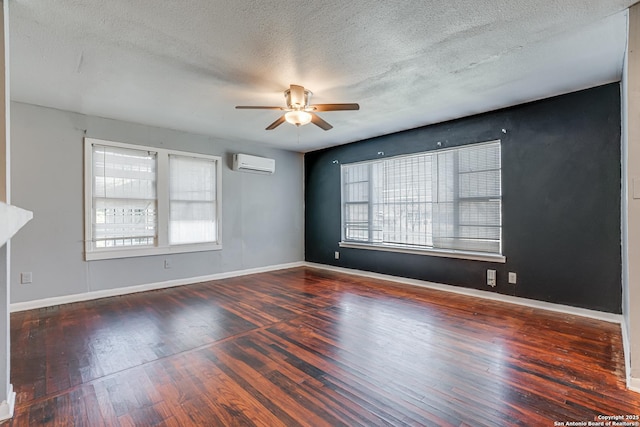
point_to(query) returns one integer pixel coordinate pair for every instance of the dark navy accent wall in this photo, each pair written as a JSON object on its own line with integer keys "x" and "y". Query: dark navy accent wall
{"x": 561, "y": 200}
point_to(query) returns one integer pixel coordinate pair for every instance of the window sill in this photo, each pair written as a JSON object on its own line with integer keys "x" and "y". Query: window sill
{"x": 475, "y": 256}
{"x": 149, "y": 251}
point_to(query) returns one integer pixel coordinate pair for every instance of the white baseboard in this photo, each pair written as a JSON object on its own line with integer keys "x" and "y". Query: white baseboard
{"x": 66, "y": 299}
{"x": 633, "y": 384}
{"x": 7, "y": 406}
{"x": 566, "y": 309}
{"x": 626, "y": 347}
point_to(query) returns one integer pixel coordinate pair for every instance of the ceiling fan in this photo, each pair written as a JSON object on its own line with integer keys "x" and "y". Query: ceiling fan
{"x": 298, "y": 110}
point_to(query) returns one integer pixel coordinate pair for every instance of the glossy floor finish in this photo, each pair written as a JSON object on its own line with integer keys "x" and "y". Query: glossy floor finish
{"x": 312, "y": 347}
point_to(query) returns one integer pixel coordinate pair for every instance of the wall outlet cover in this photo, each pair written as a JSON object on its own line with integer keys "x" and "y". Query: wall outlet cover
{"x": 491, "y": 277}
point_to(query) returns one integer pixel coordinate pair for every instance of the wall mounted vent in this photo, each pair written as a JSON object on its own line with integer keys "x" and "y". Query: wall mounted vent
{"x": 247, "y": 163}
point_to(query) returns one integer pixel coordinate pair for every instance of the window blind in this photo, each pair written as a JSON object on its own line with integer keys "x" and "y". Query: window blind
{"x": 448, "y": 199}
{"x": 124, "y": 197}
{"x": 192, "y": 200}
{"x": 356, "y": 206}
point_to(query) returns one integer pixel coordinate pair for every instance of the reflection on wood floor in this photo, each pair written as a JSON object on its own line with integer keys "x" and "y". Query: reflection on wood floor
{"x": 311, "y": 347}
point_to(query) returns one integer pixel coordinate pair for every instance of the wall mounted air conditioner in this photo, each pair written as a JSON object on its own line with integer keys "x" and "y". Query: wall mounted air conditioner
{"x": 247, "y": 163}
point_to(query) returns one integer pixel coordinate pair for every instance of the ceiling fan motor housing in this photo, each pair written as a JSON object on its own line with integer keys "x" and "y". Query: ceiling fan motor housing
{"x": 299, "y": 99}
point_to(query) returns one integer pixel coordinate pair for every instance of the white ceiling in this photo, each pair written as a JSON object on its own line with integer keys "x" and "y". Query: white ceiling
{"x": 186, "y": 64}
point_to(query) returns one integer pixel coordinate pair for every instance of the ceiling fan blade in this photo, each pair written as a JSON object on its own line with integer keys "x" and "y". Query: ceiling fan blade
{"x": 275, "y": 124}
{"x": 257, "y": 107}
{"x": 316, "y": 120}
{"x": 297, "y": 95}
{"x": 335, "y": 107}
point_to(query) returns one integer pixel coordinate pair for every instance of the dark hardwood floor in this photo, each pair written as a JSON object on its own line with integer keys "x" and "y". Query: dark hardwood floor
{"x": 312, "y": 347}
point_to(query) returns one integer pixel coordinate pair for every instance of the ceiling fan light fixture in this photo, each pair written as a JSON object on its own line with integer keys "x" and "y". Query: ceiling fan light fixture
{"x": 298, "y": 111}
{"x": 298, "y": 118}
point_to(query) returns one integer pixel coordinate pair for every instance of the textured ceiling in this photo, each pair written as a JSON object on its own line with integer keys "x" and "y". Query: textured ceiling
{"x": 186, "y": 64}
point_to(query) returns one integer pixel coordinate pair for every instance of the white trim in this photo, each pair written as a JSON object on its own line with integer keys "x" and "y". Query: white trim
{"x": 626, "y": 347}
{"x": 402, "y": 248}
{"x": 445, "y": 253}
{"x": 129, "y": 252}
{"x": 7, "y": 406}
{"x": 633, "y": 384}
{"x": 162, "y": 207}
{"x": 67, "y": 299}
{"x": 162, "y": 246}
{"x": 593, "y": 314}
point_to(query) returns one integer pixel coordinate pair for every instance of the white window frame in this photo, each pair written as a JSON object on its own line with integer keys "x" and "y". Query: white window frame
{"x": 429, "y": 251}
{"x": 162, "y": 246}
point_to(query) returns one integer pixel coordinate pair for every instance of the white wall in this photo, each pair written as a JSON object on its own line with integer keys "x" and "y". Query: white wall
{"x": 7, "y": 395}
{"x": 262, "y": 215}
{"x": 623, "y": 198}
{"x": 631, "y": 205}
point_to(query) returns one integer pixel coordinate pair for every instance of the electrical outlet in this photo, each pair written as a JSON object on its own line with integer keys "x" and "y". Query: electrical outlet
{"x": 337, "y": 255}
{"x": 513, "y": 278}
{"x": 26, "y": 278}
{"x": 491, "y": 277}
{"x": 167, "y": 263}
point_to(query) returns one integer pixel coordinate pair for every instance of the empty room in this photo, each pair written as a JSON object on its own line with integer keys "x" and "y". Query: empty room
{"x": 360, "y": 213}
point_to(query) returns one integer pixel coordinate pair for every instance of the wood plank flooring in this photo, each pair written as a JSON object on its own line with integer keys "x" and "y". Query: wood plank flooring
{"x": 311, "y": 347}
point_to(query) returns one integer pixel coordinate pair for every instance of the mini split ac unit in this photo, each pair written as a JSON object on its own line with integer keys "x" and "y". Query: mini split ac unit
{"x": 247, "y": 163}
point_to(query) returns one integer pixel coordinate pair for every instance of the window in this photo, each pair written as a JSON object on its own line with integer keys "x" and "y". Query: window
{"x": 149, "y": 201}
{"x": 446, "y": 203}
{"x": 124, "y": 197}
{"x": 192, "y": 200}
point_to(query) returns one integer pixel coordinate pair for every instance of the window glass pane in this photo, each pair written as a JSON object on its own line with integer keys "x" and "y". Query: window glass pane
{"x": 479, "y": 203}
{"x": 446, "y": 176}
{"x": 124, "y": 197}
{"x": 192, "y": 200}
{"x": 406, "y": 200}
{"x": 355, "y": 193}
{"x": 357, "y": 222}
{"x": 480, "y": 184}
{"x": 479, "y": 158}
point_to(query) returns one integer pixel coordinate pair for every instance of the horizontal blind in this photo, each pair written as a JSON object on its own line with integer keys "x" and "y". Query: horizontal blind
{"x": 404, "y": 203}
{"x": 448, "y": 199}
{"x": 355, "y": 210}
{"x": 192, "y": 200}
{"x": 124, "y": 197}
{"x": 468, "y": 212}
